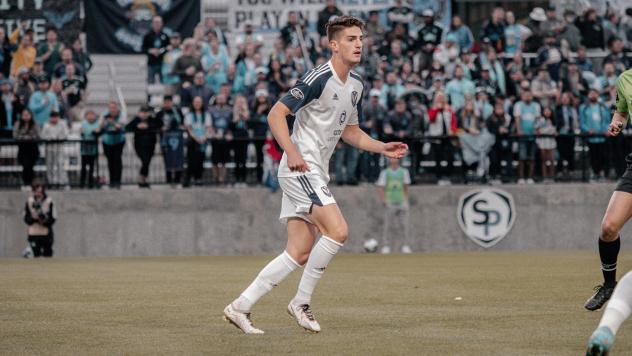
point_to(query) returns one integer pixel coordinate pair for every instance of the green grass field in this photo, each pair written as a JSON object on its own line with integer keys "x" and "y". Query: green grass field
{"x": 512, "y": 304}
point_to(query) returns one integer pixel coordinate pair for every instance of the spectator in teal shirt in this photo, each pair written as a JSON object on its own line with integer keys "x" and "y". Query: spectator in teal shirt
{"x": 113, "y": 130}
{"x": 526, "y": 113}
{"x": 594, "y": 118}
{"x": 43, "y": 101}
{"x": 458, "y": 88}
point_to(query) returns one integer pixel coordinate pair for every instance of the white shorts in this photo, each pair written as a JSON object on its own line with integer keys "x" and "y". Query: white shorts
{"x": 300, "y": 193}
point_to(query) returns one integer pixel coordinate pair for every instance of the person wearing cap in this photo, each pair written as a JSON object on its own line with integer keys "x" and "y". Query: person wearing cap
{"x": 24, "y": 55}
{"x": 55, "y": 129}
{"x": 461, "y": 32}
{"x": 591, "y": 29}
{"x": 458, "y": 87}
{"x": 494, "y": 29}
{"x": 43, "y": 101}
{"x": 155, "y": 44}
{"x": 145, "y": 127}
{"x": 550, "y": 56}
{"x": 447, "y": 52}
{"x": 428, "y": 38}
{"x": 486, "y": 82}
{"x": 10, "y": 109}
{"x": 37, "y": 71}
{"x": 50, "y": 51}
{"x": 23, "y": 87}
{"x": 168, "y": 61}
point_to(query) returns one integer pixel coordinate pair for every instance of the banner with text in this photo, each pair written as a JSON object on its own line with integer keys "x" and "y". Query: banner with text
{"x": 41, "y": 14}
{"x": 271, "y": 15}
{"x": 119, "y": 26}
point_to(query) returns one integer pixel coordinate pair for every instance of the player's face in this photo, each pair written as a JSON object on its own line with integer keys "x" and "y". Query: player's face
{"x": 348, "y": 45}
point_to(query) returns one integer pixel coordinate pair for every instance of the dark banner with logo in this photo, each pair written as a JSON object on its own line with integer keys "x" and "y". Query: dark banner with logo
{"x": 119, "y": 26}
{"x": 41, "y": 14}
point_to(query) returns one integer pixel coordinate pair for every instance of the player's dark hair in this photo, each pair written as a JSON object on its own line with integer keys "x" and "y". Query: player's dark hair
{"x": 340, "y": 23}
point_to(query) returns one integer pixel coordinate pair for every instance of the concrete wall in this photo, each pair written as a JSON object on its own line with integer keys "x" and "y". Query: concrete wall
{"x": 217, "y": 221}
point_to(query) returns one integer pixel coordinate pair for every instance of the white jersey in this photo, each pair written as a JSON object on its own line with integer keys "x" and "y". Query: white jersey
{"x": 323, "y": 106}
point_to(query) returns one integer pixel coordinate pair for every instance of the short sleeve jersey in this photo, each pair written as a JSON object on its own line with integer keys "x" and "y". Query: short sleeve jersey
{"x": 323, "y": 106}
{"x": 624, "y": 92}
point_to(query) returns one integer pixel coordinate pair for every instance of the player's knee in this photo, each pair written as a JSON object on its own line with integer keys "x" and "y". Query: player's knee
{"x": 302, "y": 259}
{"x": 609, "y": 230}
{"x": 339, "y": 234}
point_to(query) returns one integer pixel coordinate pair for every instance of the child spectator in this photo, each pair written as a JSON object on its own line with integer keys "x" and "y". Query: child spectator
{"x": 393, "y": 186}
{"x": 40, "y": 215}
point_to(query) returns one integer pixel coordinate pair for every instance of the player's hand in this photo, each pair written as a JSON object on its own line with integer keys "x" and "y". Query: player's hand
{"x": 296, "y": 163}
{"x": 615, "y": 127}
{"x": 395, "y": 149}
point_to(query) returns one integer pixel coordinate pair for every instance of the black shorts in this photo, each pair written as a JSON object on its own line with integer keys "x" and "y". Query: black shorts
{"x": 625, "y": 182}
{"x": 221, "y": 152}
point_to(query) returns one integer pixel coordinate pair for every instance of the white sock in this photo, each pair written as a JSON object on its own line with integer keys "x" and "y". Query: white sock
{"x": 319, "y": 258}
{"x": 620, "y": 306}
{"x": 269, "y": 277}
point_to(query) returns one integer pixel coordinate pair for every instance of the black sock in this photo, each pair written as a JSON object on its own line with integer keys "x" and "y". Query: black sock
{"x": 608, "y": 252}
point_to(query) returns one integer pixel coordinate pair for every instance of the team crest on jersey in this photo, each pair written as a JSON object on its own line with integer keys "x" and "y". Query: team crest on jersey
{"x": 354, "y": 98}
{"x": 486, "y": 215}
{"x": 326, "y": 190}
{"x": 297, "y": 93}
{"x": 343, "y": 117}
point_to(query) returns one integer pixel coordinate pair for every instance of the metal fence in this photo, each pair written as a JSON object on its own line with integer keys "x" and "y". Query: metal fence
{"x": 431, "y": 159}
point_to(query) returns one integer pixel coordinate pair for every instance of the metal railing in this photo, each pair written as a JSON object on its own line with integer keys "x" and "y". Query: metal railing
{"x": 431, "y": 159}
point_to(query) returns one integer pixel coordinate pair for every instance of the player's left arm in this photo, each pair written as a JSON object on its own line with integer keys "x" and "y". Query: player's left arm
{"x": 354, "y": 136}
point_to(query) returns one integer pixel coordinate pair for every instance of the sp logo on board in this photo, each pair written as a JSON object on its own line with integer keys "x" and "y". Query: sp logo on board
{"x": 486, "y": 215}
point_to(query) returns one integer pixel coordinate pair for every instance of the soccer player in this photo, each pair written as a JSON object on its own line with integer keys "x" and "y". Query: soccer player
{"x": 619, "y": 209}
{"x": 326, "y": 102}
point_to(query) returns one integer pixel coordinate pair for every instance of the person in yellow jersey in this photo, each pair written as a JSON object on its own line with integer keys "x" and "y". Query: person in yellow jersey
{"x": 617, "y": 214}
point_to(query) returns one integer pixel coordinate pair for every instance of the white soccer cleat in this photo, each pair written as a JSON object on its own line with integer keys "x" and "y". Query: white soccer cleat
{"x": 406, "y": 249}
{"x": 304, "y": 317}
{"x": 240, "y": 320}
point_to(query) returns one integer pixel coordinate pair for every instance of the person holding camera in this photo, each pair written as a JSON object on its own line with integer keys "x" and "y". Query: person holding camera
{"x": 39, "y": 215}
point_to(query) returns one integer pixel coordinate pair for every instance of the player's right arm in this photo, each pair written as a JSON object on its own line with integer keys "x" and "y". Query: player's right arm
{"x": 620, "y": 117}
{"x": 277, "y": 120}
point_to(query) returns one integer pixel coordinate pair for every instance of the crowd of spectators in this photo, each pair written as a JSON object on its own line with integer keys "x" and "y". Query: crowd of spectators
{"x": 423, "y": 83}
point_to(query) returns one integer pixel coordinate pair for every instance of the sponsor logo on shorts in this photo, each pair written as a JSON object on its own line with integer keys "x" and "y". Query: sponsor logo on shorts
{"x": 486, "y": 215}
{"x": 297, "y": 93}
{"x": 326, "y": 190}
